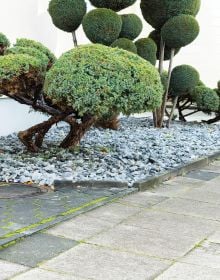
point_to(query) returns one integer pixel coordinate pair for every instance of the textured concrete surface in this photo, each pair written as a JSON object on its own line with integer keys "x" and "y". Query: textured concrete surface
{"x": 166, "y": 233}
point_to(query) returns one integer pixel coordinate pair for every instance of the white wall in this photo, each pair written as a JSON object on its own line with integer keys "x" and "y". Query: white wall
{"x": 29, "y": 18}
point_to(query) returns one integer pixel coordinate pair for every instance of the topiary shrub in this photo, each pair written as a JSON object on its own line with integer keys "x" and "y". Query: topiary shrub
{"x": 44, "y": 60}
{"x": 105, "y": 79}
{"x": 147, "y": 49}
{"x": 158, "y": 12}
{"x": 164, "y": 79}
{"x": 67, "y": 15}
{"x": 115, "y": 5}
{"x": 20, "y": 73}
{"x": 156, "y": 36}
{"x": 180, "y": 31}
{"x": 102, "y": 26}
{"x": 131, "y": 26}
{"x": 4, "y": 43}
{"x": 36, "y": 45}
{"x": 184, "y": 79}
{"x": 125, "y": 44}
{"x": 206, "y": 99}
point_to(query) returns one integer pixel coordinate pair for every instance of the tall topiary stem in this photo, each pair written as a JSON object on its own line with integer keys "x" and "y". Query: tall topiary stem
{"x": 75, "y": 39}
{"x": 172, "y": 111}
{"x": 163, "y": 108}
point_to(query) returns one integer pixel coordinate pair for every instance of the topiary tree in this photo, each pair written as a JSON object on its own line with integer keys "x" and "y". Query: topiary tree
{"x": 147, "y": 49}
{"x": 4, "y": 43}
{"x": 156, "y": 36}
{"x": 158, "y": 12}
{"x": 115, "y": 5}
{"x": 67, "y": 15}
{"x": 125, "y": 44}
{"x": 102, "y": 26}
{"x": 131, "y": 26}
{"x": 83, "y": 85}
{"x": 207, "y": 99}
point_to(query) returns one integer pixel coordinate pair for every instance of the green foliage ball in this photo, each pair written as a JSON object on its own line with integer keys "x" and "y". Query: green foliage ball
{"x": 184, "y": 79}
{"x": 156, "y": 36}
{"x": 67, "y": 15}
{"x": 206, "y": 99}
{"x": 131, "y": 26}
{"x": 125, "y": 44}
{"x": 44, "y": 60}
{"x": 180, "y": 31}
{"x": 4, "y": 42}
{"x": 13, "y": 66}
{"x": 102, "y": 26}
{"x": 115, "y": 5}
{"x": 95, "y": 79}
{"x": 36, "y": 45}
{"x": 147, "y": 49}
{"x": 157, "y": 12}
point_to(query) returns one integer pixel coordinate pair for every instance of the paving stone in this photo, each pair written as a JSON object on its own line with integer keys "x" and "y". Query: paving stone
{"x": 204, "y": 194}
{"x": 18, "y": 190}
{"x": 191, "y": 208}
{"x": 208, "y": 254}
{"x": 215, "y": 237}
{"x": 42, "y": 274}
{"x": 79, "y": 228}
{"x": 180, "y": 226}
{"x": 202, "y": 175}
{"x": 35, "y": 249}
{"x": 213, "y": 167}
{"x": 113, "y": 213}
{"x": 142, "y": 199}
{"x": 146, "y": 241}
{"x": 182, "y": 271}
{"x": 181, "y": 181}
{"x": 8, "y": 269}
{"x": 100, "y": 263}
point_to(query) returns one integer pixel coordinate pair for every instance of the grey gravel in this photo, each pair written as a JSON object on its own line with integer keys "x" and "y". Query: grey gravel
{"x": 133, "y": 152}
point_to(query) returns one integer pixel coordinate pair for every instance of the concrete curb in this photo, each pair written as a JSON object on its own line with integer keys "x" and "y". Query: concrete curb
{"x": 150, "y": 182}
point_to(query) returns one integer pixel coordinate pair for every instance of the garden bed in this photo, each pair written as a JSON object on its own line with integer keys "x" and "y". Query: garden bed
{"x": 135, "y": 151}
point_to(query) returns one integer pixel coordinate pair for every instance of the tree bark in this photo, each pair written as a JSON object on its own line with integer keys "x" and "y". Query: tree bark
{"x": 77, "y": 131}
{"x": 75, "y": 39}
{"x": 216, "y": 119}
{"x": 172, "y": 111}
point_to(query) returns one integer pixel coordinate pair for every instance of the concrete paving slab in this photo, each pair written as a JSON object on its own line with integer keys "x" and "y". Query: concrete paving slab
{"x": 100, "y": 263}
{"x": 146, "y": 241}
{"x": 182, "y": 271}
{"x": 33, "y": 250}
{"x": 202, "y": 175}
{"x": 181, "y": 181}
{"x": 207, "y": 254}
{"x": 215, "y": 237}
{"x": 80, "y": 228}
{"x": 213, "y": 167}
{"x": 142, "y": 199}
{"x": 42, "y": 274}
{"x": 168, "y": 224}
{"x": 8, "y": 269}
{"x": 191, "y": 208}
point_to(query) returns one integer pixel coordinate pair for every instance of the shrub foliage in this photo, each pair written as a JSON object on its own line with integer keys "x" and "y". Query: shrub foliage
{"x": 131, "y": 26}
{"x": 125, "y": 44}
{"x": 147, "y": 49}
{"x": 115, "y": 5}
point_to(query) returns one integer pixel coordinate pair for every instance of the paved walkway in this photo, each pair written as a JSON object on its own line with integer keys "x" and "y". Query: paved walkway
{"x": 171, "y": 232}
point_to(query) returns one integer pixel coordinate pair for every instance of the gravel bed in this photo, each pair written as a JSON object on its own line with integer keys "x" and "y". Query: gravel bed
{"x": 133, "y": 152}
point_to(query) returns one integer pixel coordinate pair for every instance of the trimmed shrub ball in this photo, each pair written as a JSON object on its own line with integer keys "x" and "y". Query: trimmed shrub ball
{"x": 102, "y": 26}
{"x": 184, "y": 79}
{"x": 36, "y": 45}
{"x": 4, "y": 43}
{"x": 44, "y": 60}
{"x": 131, "y": 26}
{"x": 115, "y": 5}
{"x": 180, "y": 31}
{"x": 147, "y": 49}
{"x": 206, "y": 99}
{"x": 67, "y": 15}
{"x": 20, "y": 73}
{"x": 125, "y": 44}
{"x": 157, "y": 12}
{"x": 156, "y": 36}
{"x": 95, "y": 80}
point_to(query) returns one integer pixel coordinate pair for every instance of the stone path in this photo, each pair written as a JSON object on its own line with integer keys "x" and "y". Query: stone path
{"x": 170, "y": 232}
